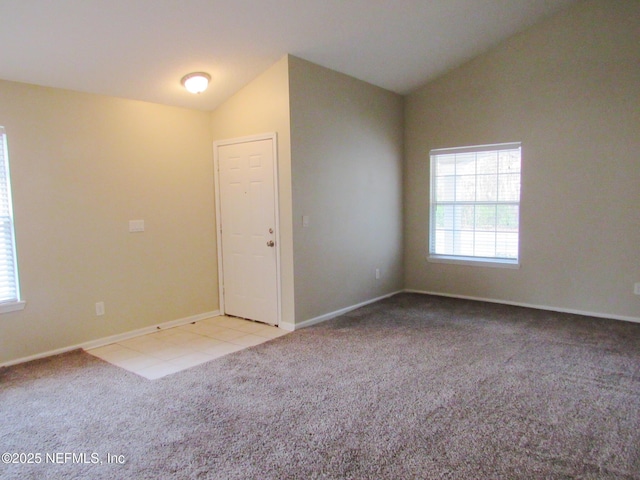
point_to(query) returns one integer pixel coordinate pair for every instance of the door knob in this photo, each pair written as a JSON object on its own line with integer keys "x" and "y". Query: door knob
{"x": 270, "y": 243}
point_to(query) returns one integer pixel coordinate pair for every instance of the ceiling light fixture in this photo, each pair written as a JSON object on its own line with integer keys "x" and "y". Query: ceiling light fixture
{"x": 196, "y": 82}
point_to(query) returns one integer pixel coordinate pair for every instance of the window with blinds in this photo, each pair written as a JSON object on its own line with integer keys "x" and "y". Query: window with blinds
{"x": 475, "y": 204}
{"x": 9, "y": 291}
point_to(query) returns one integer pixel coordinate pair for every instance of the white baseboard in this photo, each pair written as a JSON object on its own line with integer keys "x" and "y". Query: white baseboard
{"x": 307, "y": 323}
{"x": 289, "y": 327}
{"x": 530, "y": 305}
{"x": 328, "y": 316}
{"x": 114, "y": 338}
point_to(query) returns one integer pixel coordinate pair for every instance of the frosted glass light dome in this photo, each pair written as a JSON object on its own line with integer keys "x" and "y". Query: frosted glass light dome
{"x": 196, "y": 82}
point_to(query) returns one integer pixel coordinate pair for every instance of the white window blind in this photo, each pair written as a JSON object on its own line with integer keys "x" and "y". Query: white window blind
{"x": 9, "y": 291}
{"x": 475, "y": 203}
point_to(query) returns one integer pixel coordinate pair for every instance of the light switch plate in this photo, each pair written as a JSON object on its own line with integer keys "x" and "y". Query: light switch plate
{"x": 136, "y": 226}
{"x": 305, "y": 220}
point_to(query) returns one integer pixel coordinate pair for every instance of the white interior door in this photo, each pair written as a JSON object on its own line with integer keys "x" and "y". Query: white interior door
{"x": 247, "y": 221}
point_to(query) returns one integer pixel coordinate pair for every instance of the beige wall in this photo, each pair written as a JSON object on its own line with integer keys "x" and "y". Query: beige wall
{"x": 263, "y": 107}
{"x": 82, "y": 166}
{"x": 340, "y": 162}
{"x": 569, "y": 90}
{"x": 346, "y": 155}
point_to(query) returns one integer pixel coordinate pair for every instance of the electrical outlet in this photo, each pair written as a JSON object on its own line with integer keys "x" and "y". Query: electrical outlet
{"x": 99, "y": 308}
{"x": 636, "y": 288}
{"x": 377, "y": 274}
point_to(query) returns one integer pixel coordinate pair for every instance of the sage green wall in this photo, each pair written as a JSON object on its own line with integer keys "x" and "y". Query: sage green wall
{"x": 263, "y": 107}
{"x": 569, "y": 90}
{"x": 346, "y": 157}
{"x": 82, "y": 166}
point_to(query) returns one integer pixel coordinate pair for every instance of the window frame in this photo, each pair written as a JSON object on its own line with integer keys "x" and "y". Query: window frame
{"x": 13, "y": 304}
{"x": 498, "y": 262}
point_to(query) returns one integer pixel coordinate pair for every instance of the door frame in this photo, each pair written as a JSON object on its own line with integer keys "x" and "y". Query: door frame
{"x": 216, "y": 173}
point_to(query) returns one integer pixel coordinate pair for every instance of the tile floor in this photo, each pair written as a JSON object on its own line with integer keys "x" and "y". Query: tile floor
{"x": 174, "y": 349}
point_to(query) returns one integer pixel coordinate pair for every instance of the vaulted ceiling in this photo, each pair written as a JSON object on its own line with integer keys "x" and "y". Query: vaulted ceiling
{"x": 140, "y": 49}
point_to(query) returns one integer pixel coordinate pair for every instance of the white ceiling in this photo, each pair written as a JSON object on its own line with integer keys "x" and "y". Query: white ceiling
{"x": 140, "y": 49}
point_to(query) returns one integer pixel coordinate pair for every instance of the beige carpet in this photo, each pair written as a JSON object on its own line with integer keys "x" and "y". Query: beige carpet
{"x": 411, "y": 387}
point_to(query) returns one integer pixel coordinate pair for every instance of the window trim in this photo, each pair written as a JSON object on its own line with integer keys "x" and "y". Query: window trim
{"x": 7, "y": 307}
{"x": 474, "y": 261}
{"x": 11, "y": 304}
{"x": 495, "y": 262}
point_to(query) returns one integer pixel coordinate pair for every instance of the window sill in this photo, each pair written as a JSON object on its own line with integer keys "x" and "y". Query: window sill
{"x": 474, "y": 262}
{"x": 12, "y": 306}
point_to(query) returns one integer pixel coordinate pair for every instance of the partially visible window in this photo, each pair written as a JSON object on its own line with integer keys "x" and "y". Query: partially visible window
{"x": 475, "y": 204}
{"x": 9, "y": 287}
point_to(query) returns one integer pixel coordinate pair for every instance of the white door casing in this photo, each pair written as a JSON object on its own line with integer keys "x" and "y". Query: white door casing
{"x": 247, "y": 221}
